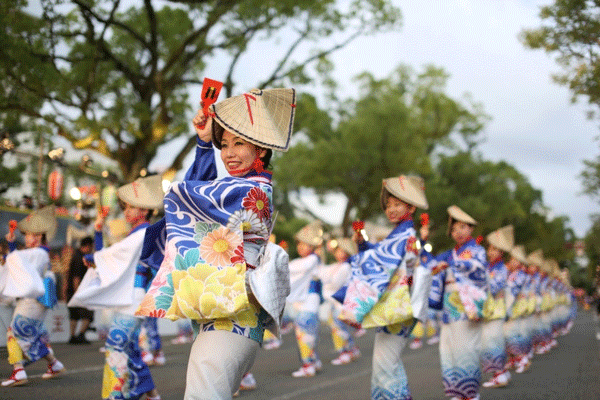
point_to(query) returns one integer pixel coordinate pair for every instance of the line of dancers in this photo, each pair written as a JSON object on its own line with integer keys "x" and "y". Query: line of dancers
{"x": 210, "y": 261}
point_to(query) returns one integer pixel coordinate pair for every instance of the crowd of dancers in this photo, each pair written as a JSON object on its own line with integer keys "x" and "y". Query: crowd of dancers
{"x": 211, "y": 265}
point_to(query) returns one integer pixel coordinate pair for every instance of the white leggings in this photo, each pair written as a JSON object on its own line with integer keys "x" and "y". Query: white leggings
{"x": 217, "y": 364}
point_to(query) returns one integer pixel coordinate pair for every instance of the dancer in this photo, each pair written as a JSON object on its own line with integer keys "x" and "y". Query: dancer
{"x": 532, "y": 286}
{"x": 151, "y": 343}
{"x": 464, "y": 286}
{"x": 78, "y": 315}
{"x": 516, "y": 305}
{"x": 211, "y": 244}
{"x": 117, "y": 279}
{"x": 378, "y": 292}
{"x": 305, "y": 298}
{"x": 25, "y": 271}
{"x": 185, "y": 333}
{"x": 334, "y": 276}
{"x": 493, "y": 346}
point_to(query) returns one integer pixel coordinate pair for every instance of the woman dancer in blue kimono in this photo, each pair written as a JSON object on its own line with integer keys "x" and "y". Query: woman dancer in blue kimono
{"x": 378, "y": 291}
{"x": 493, "y": 349}
{"x": 464, "y": 283}
{"x": 211, "y": 244}
{"x": 116, "y": 279}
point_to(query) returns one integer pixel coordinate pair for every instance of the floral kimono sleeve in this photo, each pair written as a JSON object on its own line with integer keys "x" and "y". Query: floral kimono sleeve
{"x": 204, "y": 167}
{"x": 497, "y": 279}
{"x": 468, "y": 266}
{"x": 202, "y": 275}
{"x": 372, "y": 271}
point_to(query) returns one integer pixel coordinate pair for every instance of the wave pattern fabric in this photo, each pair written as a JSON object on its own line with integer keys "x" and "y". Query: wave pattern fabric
{"x": 383, "y": 268}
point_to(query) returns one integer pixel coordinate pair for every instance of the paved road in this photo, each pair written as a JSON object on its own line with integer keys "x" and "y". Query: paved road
{"x": 570, "y": 371}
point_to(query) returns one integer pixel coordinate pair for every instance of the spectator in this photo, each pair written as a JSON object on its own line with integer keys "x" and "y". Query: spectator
{"x": 74, "y": 276}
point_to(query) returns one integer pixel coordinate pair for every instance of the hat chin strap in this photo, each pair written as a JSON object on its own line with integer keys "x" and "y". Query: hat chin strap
{"x": 258, "y": 165}
{"x": 407, "y": 216}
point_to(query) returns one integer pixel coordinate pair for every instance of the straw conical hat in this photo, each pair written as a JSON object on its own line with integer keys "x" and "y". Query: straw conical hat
{"x": 546, "y": 267}
{"x": 311, "y": 234}
{"x": 143, "y": 193}
{"x": 410, "y": 189}
{"x": 502, "y": 238}
{"x": 536, "y": 257}
{"x": 553, "y": 268}
{"x": 456, "y": 214}
{"x": 518, "y": 252}
{"x": 40, "y": 221}
{"x": 348, "y": 245}
{"x": 262, "y": 117}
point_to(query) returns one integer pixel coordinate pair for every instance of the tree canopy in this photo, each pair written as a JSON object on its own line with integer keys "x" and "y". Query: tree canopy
{"x": 115, "y": 78}
{"x": 569, "y": 31}
{"x": 496, "y": 195}
{"x": 392, "y": 128}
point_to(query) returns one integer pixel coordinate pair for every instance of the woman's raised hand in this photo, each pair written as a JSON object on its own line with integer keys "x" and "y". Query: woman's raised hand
{"x": 358, "y": 238}
{"x": 203, "y": 126}
{"x": 424, "y": 232}
{"x": 99, "y": 223}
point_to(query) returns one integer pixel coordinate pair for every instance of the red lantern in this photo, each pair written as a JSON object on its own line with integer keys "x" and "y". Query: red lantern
{"x": 55, "y": 185}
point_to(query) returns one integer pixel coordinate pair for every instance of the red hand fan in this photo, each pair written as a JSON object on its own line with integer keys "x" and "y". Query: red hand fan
{"x": 210, "y": 94}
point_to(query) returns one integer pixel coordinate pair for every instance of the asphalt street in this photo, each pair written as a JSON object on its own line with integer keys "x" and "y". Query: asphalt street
{"x": 569, "y": 371}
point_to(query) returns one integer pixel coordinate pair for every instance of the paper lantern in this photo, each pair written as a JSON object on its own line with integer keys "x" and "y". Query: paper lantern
{"x": 55, "y": 185}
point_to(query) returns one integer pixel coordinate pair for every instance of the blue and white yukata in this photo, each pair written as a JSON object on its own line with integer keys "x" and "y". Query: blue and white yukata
{"x": 151, "y": 342}
{"x": 537, "y": 325}
{"x": 303, "y": 305}
{"x": 516, "y": 339}
{"x": 377, "y": 270}
{"x": 214, "y": 234}
{"x": 126, "y": 375}
{"x": 493, "y": 347}
{"x": 533, "y": 301}
{"x": 333, "y": 277}
{"x": 544, "y": 335}
{"x": 464, "y": 285}
{"x": 27, "y": 336}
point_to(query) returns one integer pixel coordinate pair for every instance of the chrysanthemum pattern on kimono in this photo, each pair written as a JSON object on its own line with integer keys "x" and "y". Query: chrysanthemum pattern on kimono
{"x": 202, "y": 275}
{"x": 374, "y": 268}
{"x": 465, "y": 289}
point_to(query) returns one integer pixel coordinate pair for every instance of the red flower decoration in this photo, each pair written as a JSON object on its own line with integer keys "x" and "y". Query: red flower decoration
{"x": 283, "y": 244}
{"x": 357, "y": 226}
{"x": 258, "y": 165}
{"x": 479, "y": 239}
{"x": 424, "y": 219}
{"x": 238, "y": 255}
{"x": 12, "y": 225}
{"x": 258, "y": 202}
{"x": 158, "y": 313}
{"x": 411, "y": 245}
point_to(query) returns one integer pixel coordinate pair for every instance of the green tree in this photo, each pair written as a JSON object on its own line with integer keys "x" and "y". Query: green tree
{"x": 115, "y": 79}
{"x": 11, "y": 174}
{"x": 592, "y": 249}
{"x": 569, "y": 31}
{"x": 495, "y": 194}
{"x": 393, "y": 128}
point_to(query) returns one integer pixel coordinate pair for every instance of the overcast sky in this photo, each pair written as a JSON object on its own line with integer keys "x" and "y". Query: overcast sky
{"x": 534, "y": 126}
